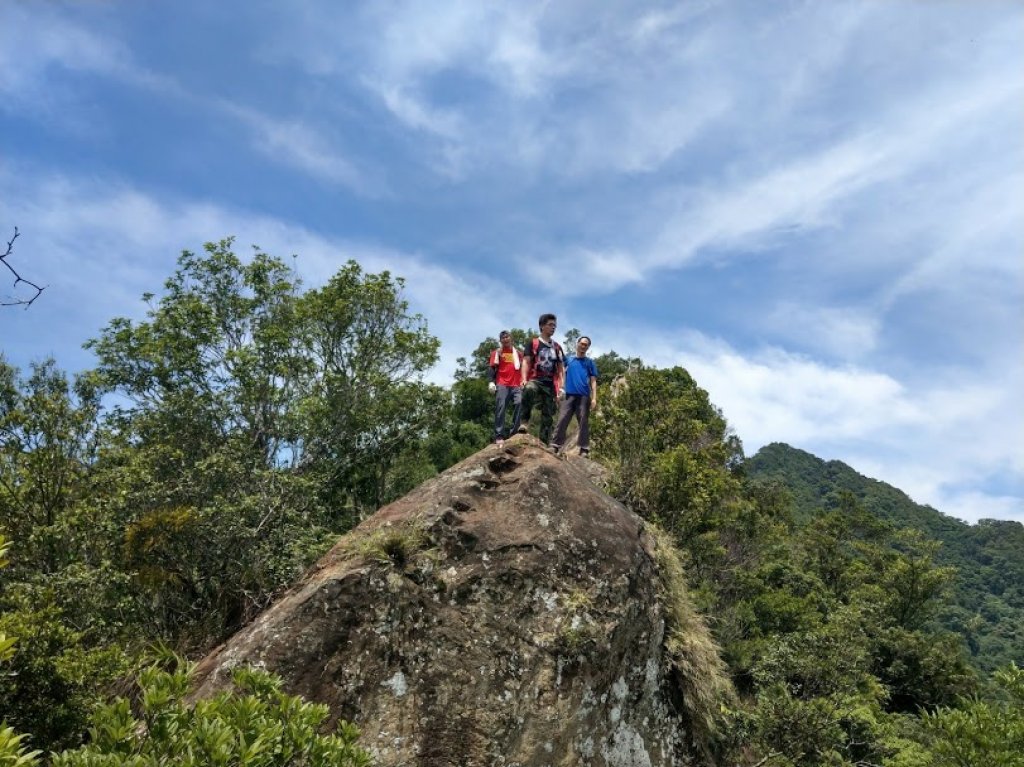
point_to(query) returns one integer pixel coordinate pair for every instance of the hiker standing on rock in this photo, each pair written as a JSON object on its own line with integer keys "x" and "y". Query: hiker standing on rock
{"x": 543, "y": 372}
{"x": 580, "y": 397}
{"x": 503, "y": 371}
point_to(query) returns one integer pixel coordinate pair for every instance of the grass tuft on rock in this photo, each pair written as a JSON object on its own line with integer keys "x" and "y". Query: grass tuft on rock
{"x": 700, "y": 672}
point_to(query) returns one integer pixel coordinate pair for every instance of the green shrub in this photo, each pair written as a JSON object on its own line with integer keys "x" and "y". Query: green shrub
{"x": 980, "y": 733}
{"x": 51, "y": 682}
{"x": 256, "y": 725}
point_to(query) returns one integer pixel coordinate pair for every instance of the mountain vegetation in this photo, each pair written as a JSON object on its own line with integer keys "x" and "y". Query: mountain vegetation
{"x": 221, "y": 444}
{"x": 985, "y": 605}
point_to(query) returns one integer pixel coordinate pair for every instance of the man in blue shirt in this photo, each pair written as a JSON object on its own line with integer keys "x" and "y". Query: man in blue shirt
{"x": 580, "y": 397}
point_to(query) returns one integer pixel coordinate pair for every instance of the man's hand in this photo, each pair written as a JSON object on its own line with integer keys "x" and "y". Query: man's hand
{"x": 491, "y": 387}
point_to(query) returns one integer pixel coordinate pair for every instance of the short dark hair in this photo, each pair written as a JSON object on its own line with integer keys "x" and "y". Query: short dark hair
{"x": 586, "y": 337}
{"x": 545, "y": 319}
{"x": 504, "y": 333}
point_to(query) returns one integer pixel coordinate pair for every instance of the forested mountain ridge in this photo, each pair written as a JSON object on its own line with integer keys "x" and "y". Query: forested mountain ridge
{"x": 987, "y": 593}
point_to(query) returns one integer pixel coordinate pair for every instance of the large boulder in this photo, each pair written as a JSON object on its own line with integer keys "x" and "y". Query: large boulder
{"x": 506, "y": 612}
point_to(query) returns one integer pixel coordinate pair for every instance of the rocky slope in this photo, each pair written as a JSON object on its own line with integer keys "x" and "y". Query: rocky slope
{"x": 506, "y": 612}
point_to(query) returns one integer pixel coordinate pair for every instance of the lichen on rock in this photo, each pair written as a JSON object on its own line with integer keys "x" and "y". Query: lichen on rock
{"x": 506, "y": 612}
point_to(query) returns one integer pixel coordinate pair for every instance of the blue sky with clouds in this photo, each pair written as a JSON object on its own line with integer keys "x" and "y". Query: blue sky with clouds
{"x": 817, "y": 208}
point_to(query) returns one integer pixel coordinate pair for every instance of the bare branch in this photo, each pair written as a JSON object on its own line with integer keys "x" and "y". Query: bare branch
{"x": 18, "y": 279}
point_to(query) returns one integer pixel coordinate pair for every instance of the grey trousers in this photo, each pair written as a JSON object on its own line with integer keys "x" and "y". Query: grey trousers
{"x": 578, "y": 405}
{"x": 501, "y": 399}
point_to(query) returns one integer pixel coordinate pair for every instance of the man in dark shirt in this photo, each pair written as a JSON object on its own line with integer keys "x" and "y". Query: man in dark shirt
{"x": 543, "y": 372}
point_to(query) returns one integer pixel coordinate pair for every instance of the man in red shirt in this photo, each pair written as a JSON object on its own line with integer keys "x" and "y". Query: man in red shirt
{"x": 503, "y": 370}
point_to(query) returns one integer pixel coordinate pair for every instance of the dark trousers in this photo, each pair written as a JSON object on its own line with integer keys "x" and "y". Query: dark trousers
{"x": 540, "y": 394}
{"x": 578, "y": 405}
{"x": 502, "y": 396}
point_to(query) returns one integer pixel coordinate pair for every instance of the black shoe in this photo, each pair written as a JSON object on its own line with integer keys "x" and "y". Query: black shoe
{"x": 584, "y": 451}
{"x": 523, "y": 429}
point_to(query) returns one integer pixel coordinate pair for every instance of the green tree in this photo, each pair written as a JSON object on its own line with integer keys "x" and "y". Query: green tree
{"x": 258, "y": 419}
{"x": 649, "y": 431}
{"x": 366, "y": 400}
{"x": 981, "y": 733}
{"x": 52, "y": 679}
{"x": 48, "y": 442}
{"x": 675, "y": 461}
{"x": 216, "y": 361}
{"x": 13, "y": 751}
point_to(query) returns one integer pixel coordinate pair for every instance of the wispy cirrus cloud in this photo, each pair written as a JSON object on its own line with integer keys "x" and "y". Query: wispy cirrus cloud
{"x": 43, "y": 54}
{"x": 813, "y": 191}
{"x": 34, "y": 40}
{"x": 298, "y": 145}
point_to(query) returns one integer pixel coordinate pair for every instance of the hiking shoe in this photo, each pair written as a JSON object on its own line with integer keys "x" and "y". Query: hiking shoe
{"x": 554, "y": 449}
{"x": 523, "y": 429}
{"x": 499, "y": 442}
{"x": 585, "y": 451}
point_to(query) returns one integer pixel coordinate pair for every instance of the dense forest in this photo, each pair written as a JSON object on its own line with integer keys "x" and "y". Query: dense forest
{"x": 153, "y": 504}
{"x": 986, "y": 595}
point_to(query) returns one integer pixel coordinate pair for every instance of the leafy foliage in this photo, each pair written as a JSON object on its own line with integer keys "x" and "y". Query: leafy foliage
{"x": 13, "y": 751}
{"x": 984, "y": 563}
{"x": 258, "y": 419}
{"x": 48, "y": 439}
{"x": 980, "y": 733}
{"x": 51, "y": 681}
{"x": 255, "y": 725}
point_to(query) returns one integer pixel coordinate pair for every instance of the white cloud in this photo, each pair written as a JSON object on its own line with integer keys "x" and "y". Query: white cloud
{"x": 842, "y": 333}
{"x": 134, "y": 238}
{"x": 941, "y": 439}
{"x": 34, "y": 39}
{"x": 412, "y": 111}
{"x": 300, "y": 146}
{"x": 583, "y": 270}
{"x": 817, "y": 191}
{"x": 977, "y": 242}
{"x": 31, "y": 62}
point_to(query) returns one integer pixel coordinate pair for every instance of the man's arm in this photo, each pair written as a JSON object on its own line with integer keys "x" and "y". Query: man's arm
{"x": 527, "y": 362}
{"x": 593, "y": 385}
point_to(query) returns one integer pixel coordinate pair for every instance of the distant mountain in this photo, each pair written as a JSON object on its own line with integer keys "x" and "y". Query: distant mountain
{"x": 987, "y": 602}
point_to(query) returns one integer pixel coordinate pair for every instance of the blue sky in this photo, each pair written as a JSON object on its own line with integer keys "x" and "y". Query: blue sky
{"x": 816, "y": 208}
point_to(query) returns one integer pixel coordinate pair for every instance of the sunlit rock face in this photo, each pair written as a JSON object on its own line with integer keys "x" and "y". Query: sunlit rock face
{"x": 505, "y": 612}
